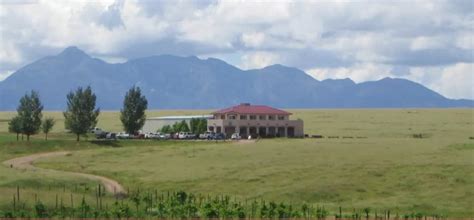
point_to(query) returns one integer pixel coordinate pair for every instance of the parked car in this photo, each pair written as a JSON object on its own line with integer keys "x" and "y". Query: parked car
{"x": 158, "y": 135}
{"x": 100, "y": 135}
{"x": 235, "y": 136}
{"x": 218, "y": 136}
{"x": 192, "y": 136}
{"x": 174, "y": 135}
{"x": 151, "y": 135}
{"x": 186, "y": 135}
{"x": 111, "y": 135}
{"x": 138, "y": 136}
{"x": 96, "y": 130}
{"x": 123, "y": 135}
{"x": 164, "y": 136}
{"x": 206, "y": 135}
{"x": 182, "y": 135}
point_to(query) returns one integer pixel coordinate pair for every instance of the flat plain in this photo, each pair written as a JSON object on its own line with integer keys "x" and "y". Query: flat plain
{"x": 375, "y": 162}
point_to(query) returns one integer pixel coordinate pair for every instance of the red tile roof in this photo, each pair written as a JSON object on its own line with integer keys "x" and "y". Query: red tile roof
{"x": 246, "y": 108}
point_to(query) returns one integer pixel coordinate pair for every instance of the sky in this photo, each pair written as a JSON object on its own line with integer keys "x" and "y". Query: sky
{"x": 429, "y": 42}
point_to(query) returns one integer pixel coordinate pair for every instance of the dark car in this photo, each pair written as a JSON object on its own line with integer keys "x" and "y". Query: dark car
{"x": 101, "y": 135}
{"x": 138, "y": 136}
{"x": 218, "y": 136}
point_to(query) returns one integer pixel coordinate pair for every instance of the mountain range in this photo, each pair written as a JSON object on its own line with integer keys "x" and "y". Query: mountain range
{"x": 173, "y": 82}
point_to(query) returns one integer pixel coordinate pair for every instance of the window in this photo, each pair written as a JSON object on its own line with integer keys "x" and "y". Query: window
{"x": 243, "y": 117}
{"x": 261, "y": 117}
{"x": 253, "y": 117}
{"x": 271, "y": 117}
{"x": 281, "y": 117}
{"x": 222, "y": 116}
{"x": 232, "y": 117}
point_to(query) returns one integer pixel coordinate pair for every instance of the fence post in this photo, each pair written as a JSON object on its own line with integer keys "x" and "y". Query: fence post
{"x": 18, "y": 193}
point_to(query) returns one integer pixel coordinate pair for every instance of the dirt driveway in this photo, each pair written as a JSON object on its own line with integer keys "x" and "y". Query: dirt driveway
{"x": 26, "y": 163}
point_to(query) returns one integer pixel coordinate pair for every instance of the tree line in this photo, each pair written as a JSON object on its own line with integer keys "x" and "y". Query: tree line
{"x": 196, "y": 126}
{"x": 80, "y": 115}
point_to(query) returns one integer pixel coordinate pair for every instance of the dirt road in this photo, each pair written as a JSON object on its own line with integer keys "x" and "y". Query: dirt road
{"x": 26, "y": 163}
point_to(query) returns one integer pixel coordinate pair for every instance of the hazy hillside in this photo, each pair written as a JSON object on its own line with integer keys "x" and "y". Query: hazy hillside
{"x": 188, "y": 82}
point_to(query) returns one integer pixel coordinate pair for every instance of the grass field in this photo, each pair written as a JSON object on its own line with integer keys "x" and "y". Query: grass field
{"x": 385, "y": 168}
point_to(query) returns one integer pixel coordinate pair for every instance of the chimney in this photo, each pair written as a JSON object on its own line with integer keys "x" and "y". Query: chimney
{"x": 245, "y": 104}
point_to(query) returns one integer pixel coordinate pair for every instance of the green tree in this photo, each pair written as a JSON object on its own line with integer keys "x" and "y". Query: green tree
{"x": 14, "y": 126}
{"x": 166, "y": 129}
{"x": 194, "y": 125}
{"x": 183, "y": 126}
{"x": 176, "y": 127}
{"x": 29, "y": 111}
{"x": 133, "y": 113}
{"x": 46, "y": 126}
{"x": 202, "y": 126}
{"x": 81, "y": 114}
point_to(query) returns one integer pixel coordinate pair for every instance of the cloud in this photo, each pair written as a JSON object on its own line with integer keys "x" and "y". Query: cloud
{"x": 112, "y": 18}
{"x": 454, "y": 81}
{"x": 363, "y": 40}
{"x": 359, "y": 72}
{"x": 254, "y": 39}
{"x": 457, "y": 81}
{"x": 5, "y": 74}
{"x": 258, "y": 60}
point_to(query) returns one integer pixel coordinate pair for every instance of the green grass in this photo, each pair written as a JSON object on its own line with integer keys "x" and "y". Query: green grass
{"x": 385, "y": 168}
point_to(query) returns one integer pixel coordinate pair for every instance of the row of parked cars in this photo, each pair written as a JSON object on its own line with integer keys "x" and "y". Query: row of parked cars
{"x": 101, "y": 134}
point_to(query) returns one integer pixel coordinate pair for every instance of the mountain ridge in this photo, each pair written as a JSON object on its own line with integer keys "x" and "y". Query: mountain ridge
{"x": 174, "y": 82}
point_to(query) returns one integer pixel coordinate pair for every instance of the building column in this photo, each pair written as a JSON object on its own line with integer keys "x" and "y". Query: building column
{"x": 286, "y": 131}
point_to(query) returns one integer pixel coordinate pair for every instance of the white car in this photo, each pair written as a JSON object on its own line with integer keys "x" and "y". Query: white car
{"x": 191, "y": 136}
{"x": 110, "y": 135}
{"x": 186, "y": 135}
{"x": 235, "y": 136}
{"x": 165, "y": 136}
{"x": 151, "y": 135}
{"x": 206, "y": 135}
{"x": 95, "y": 130}
{"x": 123, "y": 135}
{"x": 183, "y": 135}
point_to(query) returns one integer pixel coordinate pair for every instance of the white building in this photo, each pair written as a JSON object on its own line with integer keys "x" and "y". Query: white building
{"x": 156, "y": 123}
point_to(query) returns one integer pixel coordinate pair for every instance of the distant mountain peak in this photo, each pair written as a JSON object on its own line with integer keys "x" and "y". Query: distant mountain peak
{"x": 281, "y": 68}
{"x": 276, "y": 66}
{"x": 387, "y": 78}
{"x": 343, "y": 80}
{"x": 73, "y": 52}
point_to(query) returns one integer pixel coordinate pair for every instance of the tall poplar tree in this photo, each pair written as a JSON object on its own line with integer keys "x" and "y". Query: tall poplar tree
{"x": 133, "y": 113}
{"x": 14, "y": 126}
{"x": 46, "y": 126}
{"x": 81, "y": 114}
{"x": 30, "y": 114}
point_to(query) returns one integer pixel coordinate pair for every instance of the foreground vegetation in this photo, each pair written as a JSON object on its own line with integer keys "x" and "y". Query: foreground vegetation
{"x": 183, "y": 205}
{"x": 406, "y": 161}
